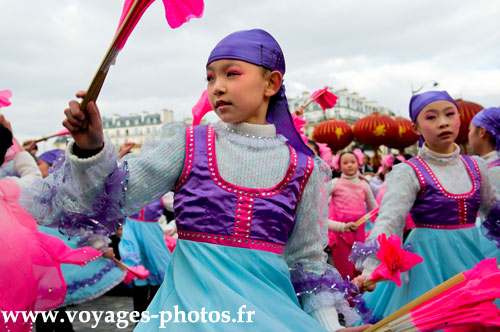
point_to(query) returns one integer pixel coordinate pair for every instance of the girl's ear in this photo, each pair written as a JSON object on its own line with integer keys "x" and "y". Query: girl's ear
{"x": 482, "y": 132}
{"x": 415, "y": 127}
{"x": 274, "y": 81}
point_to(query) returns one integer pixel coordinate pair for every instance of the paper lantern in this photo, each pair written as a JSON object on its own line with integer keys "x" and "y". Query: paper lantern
{"x": 405, "y": 135}
{"x": 375, "y": 130}
{"x": 467, "y": 111}
{"x": 337, "y": 134}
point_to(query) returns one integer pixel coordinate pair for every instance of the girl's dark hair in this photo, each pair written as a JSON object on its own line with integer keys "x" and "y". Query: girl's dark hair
{"x": 316, "y": 147}
{"x": 5, "y": 142}
{"x": 347, "y": 152}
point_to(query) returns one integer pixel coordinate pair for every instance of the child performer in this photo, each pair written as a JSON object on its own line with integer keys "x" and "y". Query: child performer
{"x": 443, "y": 192}
{"x": 250, "y": 201}
{"x": 142, "y": 243}
{"x": 484, "y": 140}
{"x": 349, "y": 198}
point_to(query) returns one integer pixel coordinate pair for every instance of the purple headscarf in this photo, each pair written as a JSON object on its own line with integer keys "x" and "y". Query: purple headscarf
{"x": 489, "y": 118}
{"x": 51, "y": 156}
{"x": 260, "y": 48}
{"x": 418, "y": 102}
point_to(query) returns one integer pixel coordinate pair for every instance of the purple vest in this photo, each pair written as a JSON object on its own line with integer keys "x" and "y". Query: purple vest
{"x": 437, "y": 208}
{"x": 151, "y": 213}
{"x": 209, "y": 209}
{"x": 494, "y": 163}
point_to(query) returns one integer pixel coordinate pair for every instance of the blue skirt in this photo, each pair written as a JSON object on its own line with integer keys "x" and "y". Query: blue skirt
{"x": 220, "y": 288}
{"x": 143, "y": 243}
{"x": 445, "y": 253}
{"x": 90, "y": 281}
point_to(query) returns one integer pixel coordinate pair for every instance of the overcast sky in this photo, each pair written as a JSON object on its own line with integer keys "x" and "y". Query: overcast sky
{"x": 380, "y": 49}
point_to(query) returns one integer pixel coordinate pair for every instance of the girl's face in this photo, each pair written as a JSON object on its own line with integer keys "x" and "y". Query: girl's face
{"x": 438, "y": 123}
{"x": 477, "y": 141}
{"x": 349, "y": 164}
{"x": 44, "y": 167}
{"x": 239, "y": 91}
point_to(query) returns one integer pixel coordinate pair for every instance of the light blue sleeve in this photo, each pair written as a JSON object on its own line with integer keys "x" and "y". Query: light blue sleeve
{"x": 97, "y": 192}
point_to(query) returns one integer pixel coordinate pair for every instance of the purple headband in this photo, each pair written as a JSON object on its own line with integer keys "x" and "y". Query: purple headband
{"x": 260, "y": 48}
{"x": 489, "y": 118}
{"x": 51, "y": 156}
{"x": 418, "y": 102}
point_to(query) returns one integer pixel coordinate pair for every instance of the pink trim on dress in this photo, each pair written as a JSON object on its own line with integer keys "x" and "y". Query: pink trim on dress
{"x": 307, "y": 175}
{"x": 188, "y": 162}
{"x": 444, "y": 191}
{"x": 231, "y": 241}
{"x": 243, "y": 219}
{"x": 221, "y": 183}
{"x": 420, "y": 176}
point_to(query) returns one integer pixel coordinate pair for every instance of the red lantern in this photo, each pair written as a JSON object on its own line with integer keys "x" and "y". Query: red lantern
{"x": 375, "y": 130}
{"x": 337, "y": 134}
{"x": 467, "y": 111}
{"x": 405, "y": 136}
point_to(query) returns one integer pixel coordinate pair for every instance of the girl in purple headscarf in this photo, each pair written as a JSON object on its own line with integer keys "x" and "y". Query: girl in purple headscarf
{"x": 443, "y": 192}
{"x": 484, "y": 140}
{"x": 251, "y": 203}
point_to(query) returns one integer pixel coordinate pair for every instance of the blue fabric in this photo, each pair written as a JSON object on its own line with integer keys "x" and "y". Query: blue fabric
{"x": 260, "y": 48}
{"x": 258, "y": 279}
{"x": 142, "y": 243}
{"x": 445, "y": 253}
{"x": 88, "y": 282}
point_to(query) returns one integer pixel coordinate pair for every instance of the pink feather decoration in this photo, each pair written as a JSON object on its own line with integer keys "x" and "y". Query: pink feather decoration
{"x": 298, "y": 123}
{"x": 4, "y": 98}
{"x": 359, "y": 155}
{"x": 201, "y": 108}
{"x": 393, "y": 259}
{"x": 324, "y": 98}
{"x": 177, "y": 12}
{"x": 387, "y": 160}
{"x": 325, "y": 153}
{"x": 336, "y": 161}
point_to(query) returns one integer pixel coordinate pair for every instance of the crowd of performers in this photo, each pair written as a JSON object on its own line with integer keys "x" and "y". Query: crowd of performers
{"x": 260, "y": 218}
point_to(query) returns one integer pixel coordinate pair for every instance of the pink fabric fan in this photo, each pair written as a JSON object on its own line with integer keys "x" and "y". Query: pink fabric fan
{"x": 470, "y": 302}
{"x": 177, "y": 12}
{"x": 170, "y": 242}
{"x": 4, "y": 98}
{"x": 393, "y": 259}
{"x": 31, "y": 277}
{"x": 201, "y": 108}
{"x": 324, "y": 98}
{"x": 465, "y": 300}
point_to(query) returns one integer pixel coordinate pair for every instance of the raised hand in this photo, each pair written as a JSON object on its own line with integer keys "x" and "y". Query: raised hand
{"x": 89, "y": 137}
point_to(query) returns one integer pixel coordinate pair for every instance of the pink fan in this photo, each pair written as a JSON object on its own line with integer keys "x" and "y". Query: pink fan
{"x": 201, "y": 108}
{"x": 138, "y": 271}
{"x": 177, "y": 12}
{"x": 393, "y": 260}
{"x": 62, "y": 132}
{"x": 463, "y": 300}
{"x": 323, "y": 97}
{"x": 4, "y": 98}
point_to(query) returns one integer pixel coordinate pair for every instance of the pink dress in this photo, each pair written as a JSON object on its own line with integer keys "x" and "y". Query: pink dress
{"x": 30, "y": 274}
{"x": 347, "y": 204}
